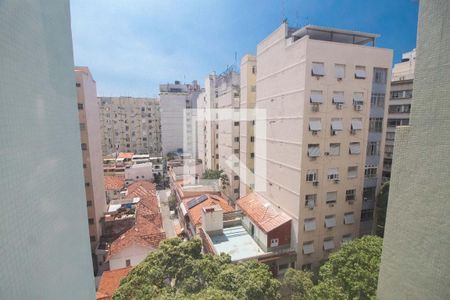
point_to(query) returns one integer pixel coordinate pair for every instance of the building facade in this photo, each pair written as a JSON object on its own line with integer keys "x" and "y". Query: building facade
{"x": 247, "y": 136}
{"x": 414, "y": 262}
{"x": 130, "y": 125}
{"x": 399, "y": 105}
{"x": 88, "y": 114}
{"x": 316, "y": 86}
{"x": 178, "y": 103}
{"x": 44, "y": 241}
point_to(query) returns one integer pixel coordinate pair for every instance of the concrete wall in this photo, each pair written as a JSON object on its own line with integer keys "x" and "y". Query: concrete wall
{"x": 415, "y": 259}
{"x": 134, "y": 253}
{"x": 139, "y": 172}
{"x": 44, "y": 227}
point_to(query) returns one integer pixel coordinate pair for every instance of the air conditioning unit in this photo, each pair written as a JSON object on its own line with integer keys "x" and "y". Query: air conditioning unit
{"x": 358, "y": 107}
{"x": 314, "y": 132}
{"x": 315, "y": 183}
{"x": 336, "y": 180}
{"x": 331, "y": 204}
{"x": 326, "y": 153}
{"x": 339, "y": 105}
{"x": 339, "y": 79}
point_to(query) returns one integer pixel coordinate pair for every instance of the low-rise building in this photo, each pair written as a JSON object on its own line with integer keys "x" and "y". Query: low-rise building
{"x": 141, "y": 171}
{"x": 114, "y": 185}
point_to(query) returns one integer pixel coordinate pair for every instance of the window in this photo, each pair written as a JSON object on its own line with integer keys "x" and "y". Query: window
{"x": 379, "y": 75}
{"x": 311, "y": 176}
{"x": 358, "y": 98}
{"x": 78, "y": 84}
{"x": 274, "y": 243}
{"x": 404, "y": 94}
{"x": 352, "y": 172}
{"x": 366, "y": 215}
{"x": 370, "y": 171}
{"x": 377, "y": 99}
{"x": 336, "y": 125}
{"x": 348, "y": 218}
{"x": 89, "y": 203}
{"x": 92, "y": 238}
{"x": 128, "y": 263}
{"x": 236, "y": 151}
{"x": 333, "y": 174}
{"x": 236, "y": 123}
{"x": 347, "y": 238}
{"x": 236, "y": 177}
{"x": 397, "y": 122}
{"x": 84, "y": 166}
{"x": 313, "y": 150}
{"x": 91, "y": 221}
{"x": 236, "y": 139}
{"x": 306, "y": 267}
{"x": 310, "y": 200}
{"x": 310, "y": 224}
{"x": 338, "y": 98}
{"x": 254, "y": 69}
{"x": 328, "y": 244}
{"x": 315, "y": 125}
{"x": 360, "y": 72}
{"x": 318, "y": 69}
{"x": 331, "y": 197}
{"x": 339, "y": 71}
{"x": 236, "y": 191}
{"x": 252, "y": 139}
{"x": 87, "y": 184}
{"x": 82, "y": 126}
{"x": 354, "y": 148}
{"x": 401, "y": 109}
{"x": 373, "y": 148}
{"x": 252, "y": 155}
{"x": 350, "y": 195}
{"x": 80, "y": 106}
{"x": 83, "y": 146}
{"x": 316, "y": 97}
{"x": 335, "y": 149}
{"x": 330, "y": 221}
{"x": 308, "y": 247}
{"x": 283, "y": 267}
{"x": 375, "y": 124}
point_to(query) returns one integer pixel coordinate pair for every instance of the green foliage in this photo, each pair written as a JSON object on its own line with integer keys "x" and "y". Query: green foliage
{"x": 217, "y": 174}
{"x": 171, "y": 156}
{"x": 381, "y": 209}
{"x": 172, "y": 202}
{"x": 350, "y": 273}
{"x": 178, "y": 270}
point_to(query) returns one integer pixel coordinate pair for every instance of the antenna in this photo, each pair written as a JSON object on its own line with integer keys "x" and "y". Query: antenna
{"x": 283, "y": 11}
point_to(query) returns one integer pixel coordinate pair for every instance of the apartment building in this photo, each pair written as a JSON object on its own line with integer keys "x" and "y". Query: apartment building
{"x": 130, "y": 125}
{"x": 178, "y": 103}
{"x": 316, "y": 85}
{"x": 247, "y": 137}
{"x": 43, "y": 221}
{"x": 88, "y": 115}
{"x": 415, "y": 258}
{"x": 399, "y": 105}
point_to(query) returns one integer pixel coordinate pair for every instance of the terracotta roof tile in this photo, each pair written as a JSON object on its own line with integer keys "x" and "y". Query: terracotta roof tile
{"x": 114, "y": 183}
{"x": 195, "y": 213}
{"x": 125, "y": 155}
{"x": 110, "y": 282}
{"x": 148, "y": 230}
{"x": 262, "y": 212}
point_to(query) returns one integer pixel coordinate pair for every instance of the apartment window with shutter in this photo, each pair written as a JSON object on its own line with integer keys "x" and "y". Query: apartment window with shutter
{"x": 373, "y": 148}
{"x": 313, "y": 150}
{"x": 330, "y": 221}
{"x": 335, "y": 149}
{"x": 355, "y": 148}
{"x": 338, "y": 98}
{"x": 350, "y": 195}
{"x": 339, "y": 71}
{"x": 352, "y": 172}
{"x": 370, "y": 171}
{"x": 375, "y": 124}
{"x": 331, "y": 197}
{"x": 380, "y": 75}
{"x": 360, "y": 72}
{"x": 310, "y": 200}
{"x": 318, "y": 69}
{"x": 333, "y": 173}
{"x": 311, "y": 176}
{"x": 316, "y": 97}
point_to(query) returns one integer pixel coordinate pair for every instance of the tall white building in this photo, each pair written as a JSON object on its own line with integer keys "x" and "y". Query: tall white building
{"x": 178, "y": 131}
{"x": 130, "y": 125}
{"x": 317, "y": 86}
{"x": 43, "y": 222}
{"x": 88, "y": 114}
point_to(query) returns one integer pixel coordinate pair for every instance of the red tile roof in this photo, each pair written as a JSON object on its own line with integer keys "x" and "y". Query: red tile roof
{"x": 148, "y": 230}
{"x": 125, "y": 155}
{"x": 262, "y": 212}
{"x": 114, "y": 183}
{"x": 195, "y": 213}
{"x": 110, "y": 282}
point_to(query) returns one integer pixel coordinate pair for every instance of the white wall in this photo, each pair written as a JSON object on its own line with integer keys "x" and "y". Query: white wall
{"x": 139, "y": 172}
{"x": 134, "y": 253}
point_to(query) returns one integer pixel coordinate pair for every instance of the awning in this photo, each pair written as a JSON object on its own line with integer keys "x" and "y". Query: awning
{"x": 308, "y": 248}
{"x": 330, "y": 222}
{"x": 356, "y": 124}
{"x": 313, "y": 151}
{"x": 335, "y": 149}
{"x": 355, "y": 148}
{"x": 316, "y": 98}
{"x": 348, "y": 218}
{"x": 314, "y": 125}
{"x": 338, "y": 98}
{"x": 328, "y": 245}
{"x": 310, "y": 224}
{"x": 336, "y": 125}
{"x": 318, "y": 69}
{"x": 360, "y": 73}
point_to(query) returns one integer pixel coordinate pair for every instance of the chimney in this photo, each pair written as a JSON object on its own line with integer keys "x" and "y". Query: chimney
{"x": 212, "y": 218}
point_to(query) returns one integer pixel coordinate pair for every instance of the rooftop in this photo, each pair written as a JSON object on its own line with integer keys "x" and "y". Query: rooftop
{"x": 110, "y": 282}
{"x": 193, "y": 206}
{"x": 334, "y": 35}
{"x": 236, "y": 242}
{"x": 264, "y": 214}
{"x": 114, "y": 183}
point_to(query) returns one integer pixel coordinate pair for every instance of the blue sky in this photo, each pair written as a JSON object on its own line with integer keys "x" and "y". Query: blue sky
{"x": 133, "y": 45}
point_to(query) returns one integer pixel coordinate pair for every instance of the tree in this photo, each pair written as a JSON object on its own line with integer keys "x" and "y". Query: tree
{"x": 350, "y": 273}
{"x": 172, "y": 201}
{"x": 178, "y": 270}
{"x": 381, "y": 208}
{"x": 217, "y": 174}
{"x": 171, "y": 156}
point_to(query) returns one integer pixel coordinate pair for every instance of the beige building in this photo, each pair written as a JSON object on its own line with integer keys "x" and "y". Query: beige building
{"x": 399, "y": 105}
{"x": 316, "y": 85}
{"x": 92, "y": 153}
{"x": 247, "y": 137}
{"x": 130, "y": 125}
